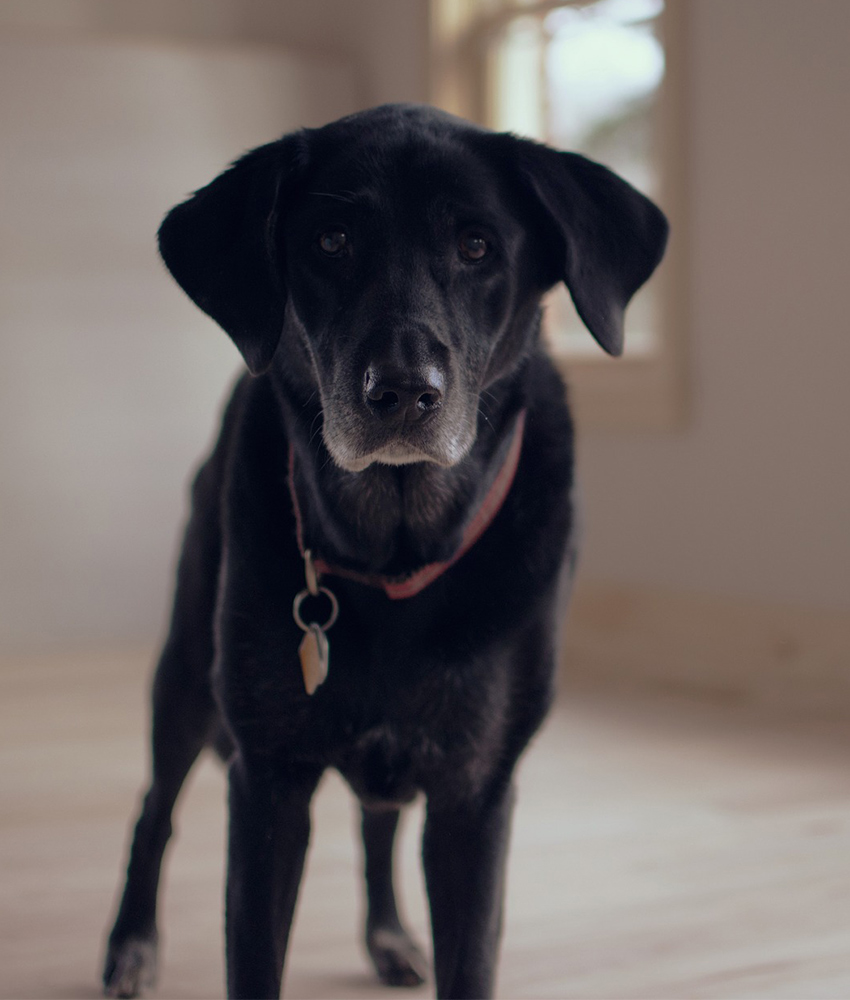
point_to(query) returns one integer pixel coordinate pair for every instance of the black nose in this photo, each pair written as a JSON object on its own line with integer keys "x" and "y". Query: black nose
{"x": 403, "y": 396}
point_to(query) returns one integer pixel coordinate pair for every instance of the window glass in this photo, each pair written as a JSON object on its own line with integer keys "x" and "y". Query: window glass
{"x": 585, "y": 77}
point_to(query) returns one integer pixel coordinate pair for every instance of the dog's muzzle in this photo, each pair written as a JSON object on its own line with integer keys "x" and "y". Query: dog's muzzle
{"x": 398, "y": 410}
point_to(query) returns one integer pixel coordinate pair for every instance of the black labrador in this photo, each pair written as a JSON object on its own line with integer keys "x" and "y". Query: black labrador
{"x": 370, "y": 575}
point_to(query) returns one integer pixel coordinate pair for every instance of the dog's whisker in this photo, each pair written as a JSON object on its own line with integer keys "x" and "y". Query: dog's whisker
{"x": 482, "y": 406}
{"x": 490, "y": 398}
{"x": 316, "y": 426}
{"x": 346, "y": 196}
{"x": 328, "y": 461}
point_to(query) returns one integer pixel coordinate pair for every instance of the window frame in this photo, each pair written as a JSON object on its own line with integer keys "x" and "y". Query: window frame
{"x": 632, "y": 392}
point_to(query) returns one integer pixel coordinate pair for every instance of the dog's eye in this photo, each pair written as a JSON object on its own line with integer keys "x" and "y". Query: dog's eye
{"x": 473, "y": 247}
{"x": 333, "y": 242}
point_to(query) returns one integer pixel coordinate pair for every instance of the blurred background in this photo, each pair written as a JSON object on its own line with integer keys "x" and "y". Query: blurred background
{"x": 713, "y": 456}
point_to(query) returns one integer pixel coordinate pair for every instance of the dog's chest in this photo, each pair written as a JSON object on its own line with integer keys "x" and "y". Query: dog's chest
{"x": 442, "y": 725}
{"x": 396, "y": 718}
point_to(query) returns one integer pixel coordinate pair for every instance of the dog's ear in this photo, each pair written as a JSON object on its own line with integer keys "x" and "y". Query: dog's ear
{"x": 609, "y": 238}
{"x": 221, "y": 247}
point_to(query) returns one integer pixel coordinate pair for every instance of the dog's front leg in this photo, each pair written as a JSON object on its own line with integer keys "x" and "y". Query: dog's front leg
{"x": 269, "y": 831}
{"x": 464, "y": 852}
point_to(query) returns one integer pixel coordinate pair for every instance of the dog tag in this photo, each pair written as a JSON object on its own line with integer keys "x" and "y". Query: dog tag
{"x": 314, "y": 652}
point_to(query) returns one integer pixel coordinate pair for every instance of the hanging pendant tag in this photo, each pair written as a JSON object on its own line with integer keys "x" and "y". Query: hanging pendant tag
{"x": 314, "y": 652}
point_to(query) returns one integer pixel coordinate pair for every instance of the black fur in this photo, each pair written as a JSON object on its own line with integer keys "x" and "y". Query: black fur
{"x": 394, "y": 364}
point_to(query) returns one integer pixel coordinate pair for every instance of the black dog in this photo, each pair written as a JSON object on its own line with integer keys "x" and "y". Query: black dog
{"x": 393, "y": 478}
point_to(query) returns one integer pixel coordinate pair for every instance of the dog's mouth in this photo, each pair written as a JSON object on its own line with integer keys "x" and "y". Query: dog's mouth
{"x": 395, "y": 454}
{"x": 355, "y": 443}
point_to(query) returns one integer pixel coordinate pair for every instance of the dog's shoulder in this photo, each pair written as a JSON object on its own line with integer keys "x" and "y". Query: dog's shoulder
{"x": 248, "y": 455}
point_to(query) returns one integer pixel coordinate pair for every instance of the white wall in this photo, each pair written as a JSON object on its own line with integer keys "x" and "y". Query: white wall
{"x": 386, "y": 39}
{"x": 752, "y": 497}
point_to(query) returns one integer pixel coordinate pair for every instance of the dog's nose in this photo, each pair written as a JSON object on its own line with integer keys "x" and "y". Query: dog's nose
{"x": 402, "y": 396}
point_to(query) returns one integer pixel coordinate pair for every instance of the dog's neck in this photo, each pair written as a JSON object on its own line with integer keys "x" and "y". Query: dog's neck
{"x": 425, "y": 508}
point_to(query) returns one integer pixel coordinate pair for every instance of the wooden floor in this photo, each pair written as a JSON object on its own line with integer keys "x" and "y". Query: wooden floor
{"x": 662, "y": 848}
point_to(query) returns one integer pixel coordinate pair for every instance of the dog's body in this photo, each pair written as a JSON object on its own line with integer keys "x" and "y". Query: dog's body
{"x": 382, "y": 278}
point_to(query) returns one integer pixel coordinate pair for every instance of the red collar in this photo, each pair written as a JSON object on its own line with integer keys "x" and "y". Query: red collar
{"x": 398, "y": 588}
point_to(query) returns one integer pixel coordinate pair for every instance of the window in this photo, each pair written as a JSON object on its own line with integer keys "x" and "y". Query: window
{"x": 603, "y": 78}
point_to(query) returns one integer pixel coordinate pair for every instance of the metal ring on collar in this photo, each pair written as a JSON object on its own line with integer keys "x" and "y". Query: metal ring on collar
{"x": 299, "y": 600}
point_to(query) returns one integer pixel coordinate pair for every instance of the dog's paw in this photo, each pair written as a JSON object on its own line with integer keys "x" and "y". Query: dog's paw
{"x": 130, "y": 968}
{"x": 396, "y": 957}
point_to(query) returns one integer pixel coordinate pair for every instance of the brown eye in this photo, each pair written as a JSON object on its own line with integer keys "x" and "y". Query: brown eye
{"x": 472, "y": 247}
{"x": 333, "y": 242}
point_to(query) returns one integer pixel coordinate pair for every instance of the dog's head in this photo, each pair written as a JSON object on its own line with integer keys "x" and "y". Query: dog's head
{"x": 394, "y": 262}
